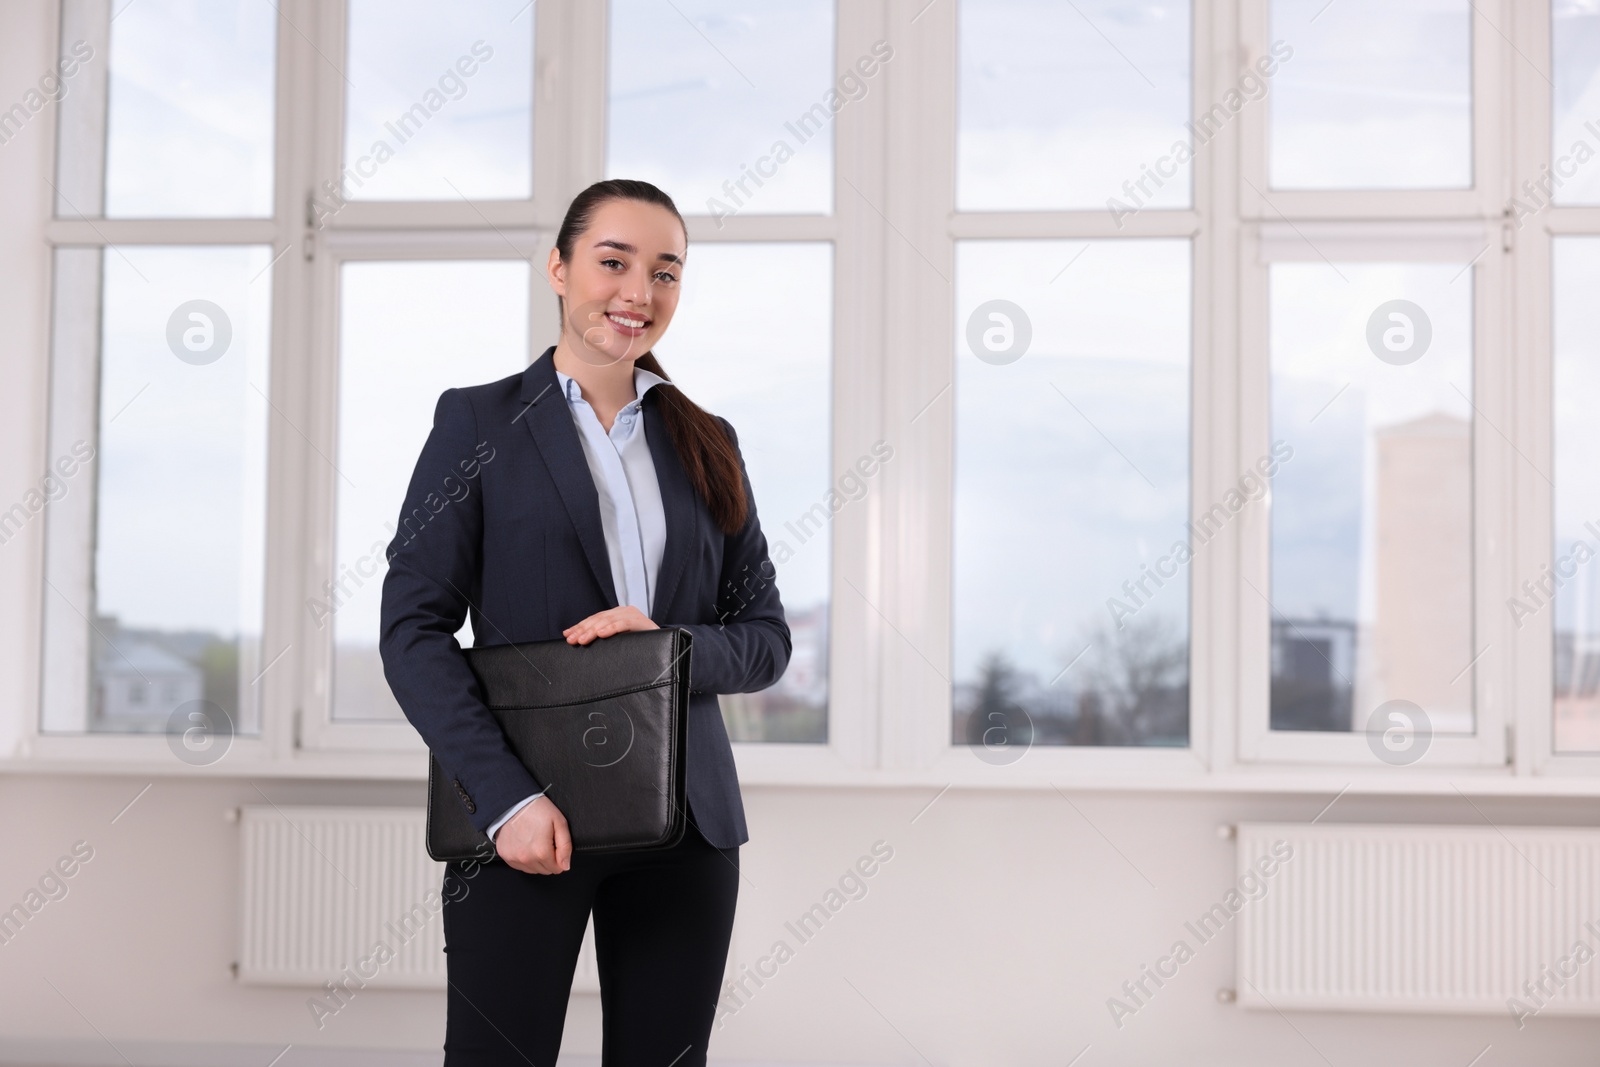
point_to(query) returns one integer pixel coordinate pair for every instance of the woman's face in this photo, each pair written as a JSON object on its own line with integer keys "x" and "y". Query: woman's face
{"x": 621, "y": 286}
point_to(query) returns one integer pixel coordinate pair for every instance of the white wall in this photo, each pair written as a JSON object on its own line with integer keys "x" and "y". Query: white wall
{"x": 995, "y": 934}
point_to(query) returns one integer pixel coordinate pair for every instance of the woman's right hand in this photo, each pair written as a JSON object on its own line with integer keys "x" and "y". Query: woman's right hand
{"x": 535, "y": 840}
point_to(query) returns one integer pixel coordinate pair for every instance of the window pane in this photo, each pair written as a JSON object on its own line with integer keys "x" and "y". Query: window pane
{"x": 439, "y": 104}
{"x": 184, "y": 128}
{"x": 174, "y": 539}
{"x": 1072, "y": 381}
{"x": 1575, "y": 96}
{"x": 1378, "y": 95}
{"x": 1125, "y": 69}
{"x": 1371, "y": 586}
{"x": 730, "y": 107}
{"x": 1576, "y": 384}
{"x": 408, "y": 332}
{"x": 781, "y": 409}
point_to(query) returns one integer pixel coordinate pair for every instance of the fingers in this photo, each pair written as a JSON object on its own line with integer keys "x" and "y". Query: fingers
{"x": 538, "y": 861}
{"x": 547, "y": 851}
{"x": 601, "y": 625}
{"x": 563, "y": 844}
{"x": 549, "y": 844}
{"x": 608, "y": 622}
{"x": 582, "y": 635}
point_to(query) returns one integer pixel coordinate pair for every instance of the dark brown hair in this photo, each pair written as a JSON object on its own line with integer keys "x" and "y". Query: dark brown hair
{"x": 703, "y": 447}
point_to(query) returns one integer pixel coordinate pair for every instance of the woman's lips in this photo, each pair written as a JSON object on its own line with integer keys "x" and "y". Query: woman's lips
{"x": 624, "y": 329}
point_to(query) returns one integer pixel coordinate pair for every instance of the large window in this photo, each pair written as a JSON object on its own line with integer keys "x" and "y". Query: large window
{"x": 1373, "y": 74}
{"x": 160, "y": 410}
{"x": 409, "y": 259}
{"x": 1371, "y": 549}
{"x": 1130, "y": 390}
{"x": 774, "y": 386}
{"x": 750, "y": 86}
{"x": 1071, "y": 393}
{"x": 1567, "y": 594}
{"x": 1126, "y": 70}
{"x": 1371, "y": 322}
{"x": 1071, "y": 603}
{"x": 1561, "y": 600}
{"x": 407, "y": 332}
{"x": 183, "y": 128}
{"x": 157, "y": 584}
{"x": 438, "y": 101}
{"x": 753, "y": 88}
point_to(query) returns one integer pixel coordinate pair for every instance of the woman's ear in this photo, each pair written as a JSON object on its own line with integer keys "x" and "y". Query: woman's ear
{"x": 556, "y": 272}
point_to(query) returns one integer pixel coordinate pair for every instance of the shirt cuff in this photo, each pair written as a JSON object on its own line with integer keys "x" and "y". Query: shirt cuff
{"x": 494, "y": 827}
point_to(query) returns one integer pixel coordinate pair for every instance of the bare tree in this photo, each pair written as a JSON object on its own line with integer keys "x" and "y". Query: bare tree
{"x": 1136, "y": 683}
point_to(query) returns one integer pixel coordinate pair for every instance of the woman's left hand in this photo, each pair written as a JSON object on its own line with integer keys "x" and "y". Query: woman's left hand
{"x": 608, "y": 622}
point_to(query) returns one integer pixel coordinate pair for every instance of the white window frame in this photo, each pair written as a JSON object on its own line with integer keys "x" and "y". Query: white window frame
{"x": 1452, "y": 226}
{"x": 1534, "y": 294}
{"x": 254, "y": 754}
{"x": 1265, "y": 243}
{"x": 916, "y": 648}
{"x": 889, "y": 699}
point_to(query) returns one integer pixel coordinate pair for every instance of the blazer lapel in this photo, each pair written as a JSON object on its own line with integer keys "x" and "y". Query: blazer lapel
{"x": 549, "y": 420}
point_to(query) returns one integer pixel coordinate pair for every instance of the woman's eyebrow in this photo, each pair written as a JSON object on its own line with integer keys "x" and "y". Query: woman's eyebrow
{"x": 623, "y": 246}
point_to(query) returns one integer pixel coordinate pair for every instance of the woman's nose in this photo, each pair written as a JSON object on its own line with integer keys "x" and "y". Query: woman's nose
{"x": 636, "y": 289}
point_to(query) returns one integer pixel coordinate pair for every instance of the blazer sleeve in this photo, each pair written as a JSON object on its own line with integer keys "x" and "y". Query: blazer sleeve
{"x": 748, "y": 647}
{"x": 434, "y": 566}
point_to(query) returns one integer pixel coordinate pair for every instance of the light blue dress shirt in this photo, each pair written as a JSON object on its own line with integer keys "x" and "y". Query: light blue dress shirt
{"x": 631, "y": 514}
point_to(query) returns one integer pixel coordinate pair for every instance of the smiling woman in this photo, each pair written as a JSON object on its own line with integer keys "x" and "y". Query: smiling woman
{"x": 646, "y": 516}
{"x": 1049, "y": 584}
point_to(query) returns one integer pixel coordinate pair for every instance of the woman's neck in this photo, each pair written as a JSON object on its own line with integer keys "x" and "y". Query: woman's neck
{"x": 608, "y": 387}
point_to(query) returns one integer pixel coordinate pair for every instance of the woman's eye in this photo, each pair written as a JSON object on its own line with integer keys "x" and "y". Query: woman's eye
{"x": 665, "y": 276}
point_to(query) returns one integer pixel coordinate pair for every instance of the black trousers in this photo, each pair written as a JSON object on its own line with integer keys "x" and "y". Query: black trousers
{"x": 662, "y": 922}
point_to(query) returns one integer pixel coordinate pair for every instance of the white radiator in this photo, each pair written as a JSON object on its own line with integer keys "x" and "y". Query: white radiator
{"x": 1420, "y": 918}
{"x": 322, "y": 887}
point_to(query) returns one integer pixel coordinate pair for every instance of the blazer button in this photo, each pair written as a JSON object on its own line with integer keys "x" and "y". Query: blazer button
{"x": 471, "y": 808}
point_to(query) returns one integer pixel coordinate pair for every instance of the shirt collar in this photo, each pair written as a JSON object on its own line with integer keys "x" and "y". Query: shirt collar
{"x": 643, "y": 382}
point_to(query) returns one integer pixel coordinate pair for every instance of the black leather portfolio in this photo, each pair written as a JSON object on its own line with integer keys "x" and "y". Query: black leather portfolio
{"x": 602, "y": 727}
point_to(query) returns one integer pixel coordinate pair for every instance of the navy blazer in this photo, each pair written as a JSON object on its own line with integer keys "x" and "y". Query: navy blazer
{"x": 502, "y": 522}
